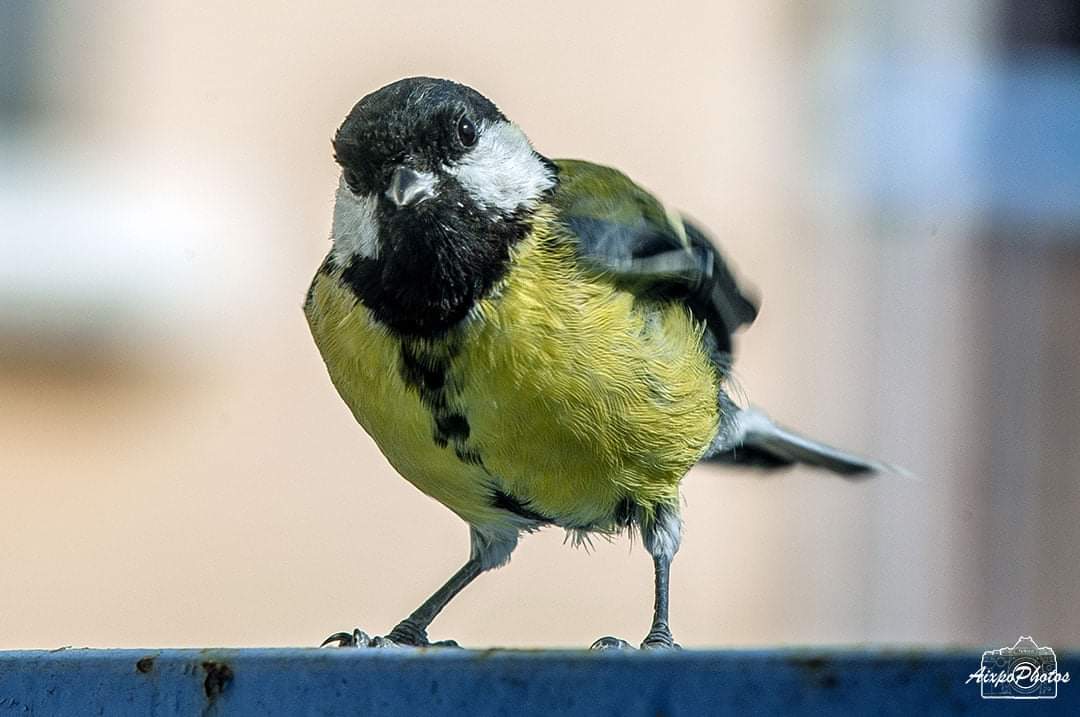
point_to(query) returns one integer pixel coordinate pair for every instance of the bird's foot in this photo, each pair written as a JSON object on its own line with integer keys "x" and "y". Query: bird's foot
{"x": 409, "y": 633}
{"x": 406, "y": 634}
{"x": 659, "y": 638}
{"x": 358, "y": 638}
{"x": 611, "y": 643}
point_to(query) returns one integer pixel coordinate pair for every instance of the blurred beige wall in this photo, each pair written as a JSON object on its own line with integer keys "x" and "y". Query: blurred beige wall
{"x": 196, "y": 481}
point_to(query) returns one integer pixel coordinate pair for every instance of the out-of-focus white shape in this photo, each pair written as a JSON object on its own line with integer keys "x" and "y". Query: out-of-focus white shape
{"x": 100, "y": 246}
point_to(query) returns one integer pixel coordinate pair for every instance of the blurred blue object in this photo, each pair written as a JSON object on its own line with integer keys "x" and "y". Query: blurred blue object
{"x": 1030, "y": 154}
{"x": 999, "y": 137}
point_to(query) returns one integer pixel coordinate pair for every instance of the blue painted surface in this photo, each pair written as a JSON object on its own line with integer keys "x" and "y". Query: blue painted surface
{"x": 410, "y": 682}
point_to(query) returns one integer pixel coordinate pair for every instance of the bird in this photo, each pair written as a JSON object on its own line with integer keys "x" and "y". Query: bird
{"x": 531, "y": 342}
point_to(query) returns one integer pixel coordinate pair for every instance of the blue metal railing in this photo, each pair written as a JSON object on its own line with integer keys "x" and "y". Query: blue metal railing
{"x": 497, "y": 682}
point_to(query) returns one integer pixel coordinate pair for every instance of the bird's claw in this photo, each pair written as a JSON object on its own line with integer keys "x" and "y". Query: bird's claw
{"x": 356, "y": 638}
{"x": 396, "y": 638}
{"x": 341, "y": 639}
{"x": 611, "y": 643}
{"x": 654, "y": 641}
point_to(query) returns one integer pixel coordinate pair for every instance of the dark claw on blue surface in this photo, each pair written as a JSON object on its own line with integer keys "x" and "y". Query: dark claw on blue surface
{"x": 396, "y": 638}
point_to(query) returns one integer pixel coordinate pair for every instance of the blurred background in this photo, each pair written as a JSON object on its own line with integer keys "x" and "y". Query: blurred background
{"x": 900, "y": 181}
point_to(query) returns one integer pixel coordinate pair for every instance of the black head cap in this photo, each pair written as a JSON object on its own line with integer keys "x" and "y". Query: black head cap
{"x": 412, "y": 121}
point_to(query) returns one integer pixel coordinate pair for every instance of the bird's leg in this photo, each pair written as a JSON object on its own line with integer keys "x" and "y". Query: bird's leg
{"x": 661, "y": 536}
{"x": 412, "y": 631}
{"x": 660, "y": 634}
{"x": 661, "y": 533}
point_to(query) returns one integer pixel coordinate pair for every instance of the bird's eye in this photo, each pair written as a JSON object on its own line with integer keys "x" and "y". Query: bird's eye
{"x": 466, "y": 131}
{"x": 352, "y": 179}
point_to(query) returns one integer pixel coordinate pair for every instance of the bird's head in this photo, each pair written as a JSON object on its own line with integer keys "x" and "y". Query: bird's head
{"x": 429, "y": 165}
{"x": 436, "y": 188}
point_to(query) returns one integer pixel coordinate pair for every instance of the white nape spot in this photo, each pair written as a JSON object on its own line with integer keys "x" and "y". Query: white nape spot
{"x": 356, "y": 228}
{"x": 502, "y": 172}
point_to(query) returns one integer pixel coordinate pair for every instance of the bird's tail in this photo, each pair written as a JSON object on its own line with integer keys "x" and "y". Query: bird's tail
{"x": 752, "y": 439}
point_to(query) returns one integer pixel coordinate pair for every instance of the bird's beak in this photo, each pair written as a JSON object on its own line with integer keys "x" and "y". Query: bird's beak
{"x": 408, "y": 187}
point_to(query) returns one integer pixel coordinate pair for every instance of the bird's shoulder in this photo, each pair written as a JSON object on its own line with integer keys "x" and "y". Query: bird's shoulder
{"x": 624, "y": 232}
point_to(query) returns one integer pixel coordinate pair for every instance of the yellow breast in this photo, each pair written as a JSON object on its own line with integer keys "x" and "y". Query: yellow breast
{"x": 574, "y": 395}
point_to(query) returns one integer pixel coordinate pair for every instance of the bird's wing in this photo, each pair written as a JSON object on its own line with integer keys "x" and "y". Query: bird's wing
{"x": 626, "y": 233}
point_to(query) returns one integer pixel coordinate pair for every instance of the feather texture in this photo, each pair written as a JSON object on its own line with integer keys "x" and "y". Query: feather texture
{"x": 577, "y": 395}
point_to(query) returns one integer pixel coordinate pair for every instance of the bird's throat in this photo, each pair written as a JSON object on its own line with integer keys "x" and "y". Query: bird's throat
{"x": 429, "y": 275}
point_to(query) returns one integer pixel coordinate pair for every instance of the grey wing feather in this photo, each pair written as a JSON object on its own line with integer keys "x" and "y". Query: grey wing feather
{"x": 752, "y": 439}
{"x": 651, "y": 260}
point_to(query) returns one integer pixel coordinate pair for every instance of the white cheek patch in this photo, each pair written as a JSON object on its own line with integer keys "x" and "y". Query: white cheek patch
{"x": 502, "y": 172}
{"x": 356, "y": 228}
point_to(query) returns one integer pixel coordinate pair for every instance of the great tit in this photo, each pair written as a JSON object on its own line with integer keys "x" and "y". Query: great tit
{"x": 529, "y": 341}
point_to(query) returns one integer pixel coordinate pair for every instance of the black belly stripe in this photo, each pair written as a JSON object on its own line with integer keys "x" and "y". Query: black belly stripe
{"x": 428, "y": 373}
{"x": 453, "y": 426}
{"x": 466, "y": 455}
{"x": 505, "y": 501}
